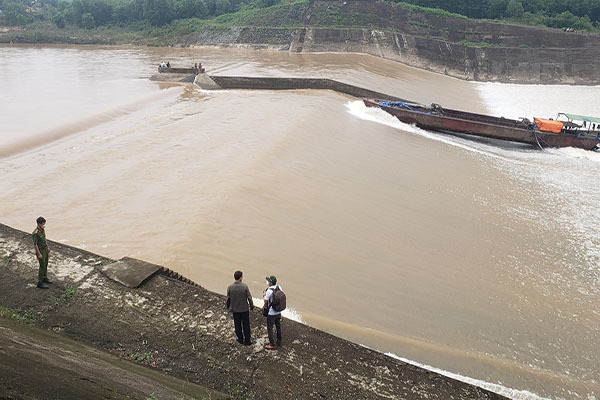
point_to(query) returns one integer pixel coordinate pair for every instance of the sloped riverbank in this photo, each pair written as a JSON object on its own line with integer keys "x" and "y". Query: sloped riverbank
{"x": 180, "y": 330}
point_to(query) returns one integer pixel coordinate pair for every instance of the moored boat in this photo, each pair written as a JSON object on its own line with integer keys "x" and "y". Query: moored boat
{"x": 577, "y": 131}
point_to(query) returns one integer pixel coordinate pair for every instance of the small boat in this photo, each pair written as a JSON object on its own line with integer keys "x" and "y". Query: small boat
{"x": 576, "y": 131}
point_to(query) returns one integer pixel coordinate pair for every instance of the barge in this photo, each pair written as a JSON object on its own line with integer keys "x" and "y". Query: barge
{"x": 575, "y": 131}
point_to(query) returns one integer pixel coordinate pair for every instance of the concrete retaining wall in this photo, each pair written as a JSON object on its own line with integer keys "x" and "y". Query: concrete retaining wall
{"x": 239, "y": 82}
{"x": 505, "y": 64}
{"x": 462, "y": 48}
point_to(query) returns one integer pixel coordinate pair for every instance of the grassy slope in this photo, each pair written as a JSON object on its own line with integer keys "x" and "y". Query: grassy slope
{"x": 288, "y": 14}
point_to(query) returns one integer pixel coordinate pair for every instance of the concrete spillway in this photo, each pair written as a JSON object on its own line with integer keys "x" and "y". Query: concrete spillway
{"x": 207, "y": 82}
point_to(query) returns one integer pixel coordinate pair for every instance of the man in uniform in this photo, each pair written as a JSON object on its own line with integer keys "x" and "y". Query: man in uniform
{"x": 41, "y": 251}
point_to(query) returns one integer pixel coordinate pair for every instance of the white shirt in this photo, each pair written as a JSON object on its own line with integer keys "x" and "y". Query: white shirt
{"x": 268, "y": 295}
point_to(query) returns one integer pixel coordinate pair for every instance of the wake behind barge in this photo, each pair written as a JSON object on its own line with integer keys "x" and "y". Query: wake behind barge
{"x": 540, "y": 132}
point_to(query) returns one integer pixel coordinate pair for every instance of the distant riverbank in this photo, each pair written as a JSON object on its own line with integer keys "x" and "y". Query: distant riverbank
{"x": 443, "y": 43}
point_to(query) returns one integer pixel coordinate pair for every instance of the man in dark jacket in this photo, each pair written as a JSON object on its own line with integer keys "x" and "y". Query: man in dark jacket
{"x": 239, "y": 300}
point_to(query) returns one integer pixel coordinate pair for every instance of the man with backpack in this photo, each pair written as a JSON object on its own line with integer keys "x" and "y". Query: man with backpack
{"x": 275, "y": 304}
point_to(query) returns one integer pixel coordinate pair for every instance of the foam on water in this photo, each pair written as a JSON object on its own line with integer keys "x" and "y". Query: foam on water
{"x": 289, "y": 312}
{"x": 593, "y": 156}
{"x": 492, "y": 387}
{"x": 567, "y": 178}
{"x": 567, "y": 173}
{"x": 359, "y": 110}
{"x": 517, "y": 100}
{"x": 515, "y": 394}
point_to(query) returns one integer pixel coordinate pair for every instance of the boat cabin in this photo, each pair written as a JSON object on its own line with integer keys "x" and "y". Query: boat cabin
{"x": 575, "y": 122}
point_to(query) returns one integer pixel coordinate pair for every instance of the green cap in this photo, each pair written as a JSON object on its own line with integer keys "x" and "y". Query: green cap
{"x": 272, "y": 279}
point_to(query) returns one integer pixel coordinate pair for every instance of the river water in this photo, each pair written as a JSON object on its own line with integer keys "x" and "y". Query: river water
{"x": 475, "y": 259}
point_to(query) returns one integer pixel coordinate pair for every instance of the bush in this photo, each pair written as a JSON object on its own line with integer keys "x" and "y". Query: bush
{"x": 222, "y": 7}
{"x": 568, "y": 20}
{"x": 514, "y": 10}
{"x": 87, "y": 21}
{"x": 15, "y": 14}
{"x": 59, "y": 20}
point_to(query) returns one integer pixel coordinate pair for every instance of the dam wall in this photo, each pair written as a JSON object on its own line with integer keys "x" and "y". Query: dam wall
{"x": 257, "y": 83}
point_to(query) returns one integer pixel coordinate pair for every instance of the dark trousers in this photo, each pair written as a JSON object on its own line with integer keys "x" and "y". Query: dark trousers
{"x": 43, "y": 270}
{"x": 241, "y": 321}
{"x": 274, "y": 319}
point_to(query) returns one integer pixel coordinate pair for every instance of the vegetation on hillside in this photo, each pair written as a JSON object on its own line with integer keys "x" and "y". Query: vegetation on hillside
{"x": 575, "y": 14}
{"x": 187, "y": 15}
{"x": 91, "y": 14}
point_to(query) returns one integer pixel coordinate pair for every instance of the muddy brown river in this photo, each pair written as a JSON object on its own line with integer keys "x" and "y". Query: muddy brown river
{"x": 475, "y": 259}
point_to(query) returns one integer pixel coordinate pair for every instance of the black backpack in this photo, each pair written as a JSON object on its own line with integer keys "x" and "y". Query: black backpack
{"x": 278, "y": 300}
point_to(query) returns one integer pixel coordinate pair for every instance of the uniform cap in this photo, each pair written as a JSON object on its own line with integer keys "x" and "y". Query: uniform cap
{"x": 272, "y": 279}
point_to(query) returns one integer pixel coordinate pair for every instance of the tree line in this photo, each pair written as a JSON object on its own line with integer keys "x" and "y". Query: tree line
{"x": 90, "y": 14}
{"x": 577, "y": 14}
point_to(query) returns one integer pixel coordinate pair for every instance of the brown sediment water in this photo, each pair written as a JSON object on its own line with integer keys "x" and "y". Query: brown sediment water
{"x": 477, "y": 259}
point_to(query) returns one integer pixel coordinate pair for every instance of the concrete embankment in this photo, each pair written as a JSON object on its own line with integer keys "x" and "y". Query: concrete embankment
{"x": 172, "y": 74}
{"x": 206, "y": 82}
{"x": 494, "y": 63}
{"x": 150, "y": 316}
{"x": 462, "y": 48}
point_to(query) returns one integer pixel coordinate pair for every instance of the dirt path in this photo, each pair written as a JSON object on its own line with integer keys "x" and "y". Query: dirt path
{"x": 184, "y": 331}
{"x": 37, "y": 364}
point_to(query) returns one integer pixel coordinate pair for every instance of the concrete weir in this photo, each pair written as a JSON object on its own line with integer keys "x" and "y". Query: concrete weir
{"x": 179, "y": 334}
{"x": 171, "y": 74}
{"x": 206, "y": 82}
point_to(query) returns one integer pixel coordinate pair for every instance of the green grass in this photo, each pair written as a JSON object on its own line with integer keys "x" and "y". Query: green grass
{"x": 330, "y": 19}
{"x": 471, "y": 33}
{"x": 142, "y": 357}
{"x": 421, "y": 25}
{"x": 154, "y": 397}
{"x": 282, "y": 15}
{"x": 239, "y": 393}
{"x": 270, "y": 24}
{"x": 27, "y": 317}
{"x": 477, "y": 44}
{"x": 427, "y": 10}
{"x": 278, "y": 15}
{"x": 69, "y": 292}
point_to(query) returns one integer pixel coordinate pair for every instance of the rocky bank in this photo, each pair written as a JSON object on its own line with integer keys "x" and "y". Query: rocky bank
{"x": 463, "y": 48}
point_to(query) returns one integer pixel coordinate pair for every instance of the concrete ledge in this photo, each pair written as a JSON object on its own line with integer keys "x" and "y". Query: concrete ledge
{"x": 170, "y": 77}
{"x": 130, "y": 272}
{"x": 203, "y": 81}
{"x": 257, "y": 83}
